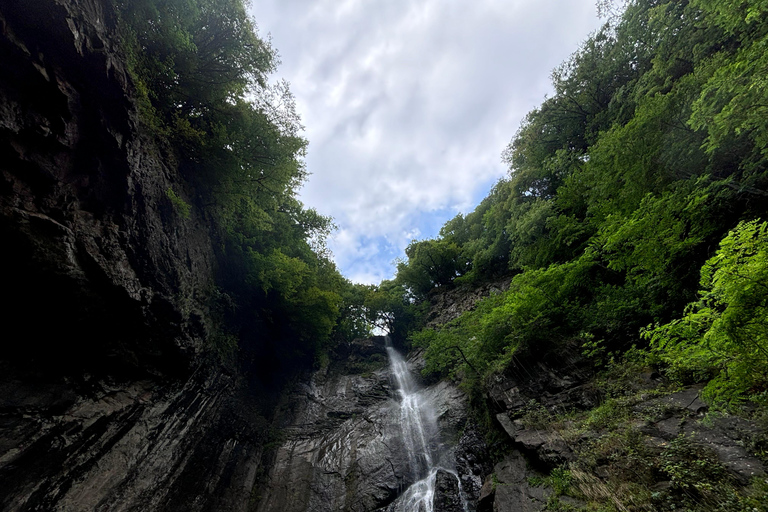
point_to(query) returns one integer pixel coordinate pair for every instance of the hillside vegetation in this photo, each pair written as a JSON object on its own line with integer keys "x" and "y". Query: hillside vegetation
{"x": 633, "y": 226}
{"x": 632, "y": 211}
{"x": 202, "y": 76}
{"x": 631, "y": 214}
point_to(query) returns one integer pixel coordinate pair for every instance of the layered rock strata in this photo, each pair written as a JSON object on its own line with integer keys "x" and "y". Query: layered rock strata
{"x": 105, "y": 400}
{"x": 343, "y": 446}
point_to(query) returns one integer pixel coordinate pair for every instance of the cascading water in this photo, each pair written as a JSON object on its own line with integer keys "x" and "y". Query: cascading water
{"x": 420, "y": 436}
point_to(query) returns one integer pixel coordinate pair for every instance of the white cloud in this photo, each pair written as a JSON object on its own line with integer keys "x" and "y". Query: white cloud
{"x": 409, "y": 103}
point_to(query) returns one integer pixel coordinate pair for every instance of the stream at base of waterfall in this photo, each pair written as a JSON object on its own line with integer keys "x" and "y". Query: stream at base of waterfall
{"x": 426, "y": 455}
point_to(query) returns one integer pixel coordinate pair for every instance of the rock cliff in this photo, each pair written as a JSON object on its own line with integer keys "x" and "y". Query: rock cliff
{"x": 614, "y": 437}
{"x": 106, "y": 402}
{"x": 95, "y": 241}
{"x": 342, "y": 446}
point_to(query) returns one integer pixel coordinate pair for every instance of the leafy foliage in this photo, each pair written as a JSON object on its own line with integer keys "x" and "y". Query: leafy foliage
{"x": 725, "y": 332}
{"x": 431, "y": 263}
{"x": 202, "y": 75}
{"x": 621, "y": 186}
{"x": 182, "y": 207}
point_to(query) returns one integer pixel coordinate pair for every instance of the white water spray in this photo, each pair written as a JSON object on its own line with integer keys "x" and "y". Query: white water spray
{"x": 420, "y": 435}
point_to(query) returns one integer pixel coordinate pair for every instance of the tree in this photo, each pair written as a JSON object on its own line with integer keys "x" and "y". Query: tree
{"x": 203, "y": 73}
{"x": 194, "y": 55}
{"x": 725, "y": 332}
{"x": 430, "y": 264}
{"x": 393, "y": 309}
{"x": 620, "y": 186}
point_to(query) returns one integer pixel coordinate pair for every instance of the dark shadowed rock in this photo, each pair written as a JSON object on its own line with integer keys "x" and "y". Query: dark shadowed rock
{"x": 447, "y": 494}
{"x": 546, "y": 447}
{"x": 512, "y": 490}
{"x": 487, "y": 495}
{"x": 97, "y": 246}
{"x": 473, "y": 461}
{"x": 344, "y": 448}
{"x": 142, "y": 445}
{"x": 105, "y": 400}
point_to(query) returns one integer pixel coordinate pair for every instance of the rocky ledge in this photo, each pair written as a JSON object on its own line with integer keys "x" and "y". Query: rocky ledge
{"x": 623, "y": 438}
{"x": 106, "y": 402}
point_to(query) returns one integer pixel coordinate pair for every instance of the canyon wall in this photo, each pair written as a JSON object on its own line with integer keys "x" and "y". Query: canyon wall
{"x": 111, "y": 399}
{"x": 107, "y": 401}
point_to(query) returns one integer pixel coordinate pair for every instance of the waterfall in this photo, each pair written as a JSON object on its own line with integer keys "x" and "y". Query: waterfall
{"x": 420, "y": 436}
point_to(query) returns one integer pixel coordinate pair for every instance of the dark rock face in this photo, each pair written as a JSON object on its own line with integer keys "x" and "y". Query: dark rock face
{"x": 528, "y": 397}
{"x": 344, "y": 448}
{"x": 123, "y": 447}
{"x": 105, "y": 402}
{"x": 449, "y": 304}
{"x": 447, "y": 493}
{"x": 558, "y": 382}
{"x": 96, "y": 248}
{"x": 512, "y": 493}
{"x": 680, "y": 413}
{"x": 473, "y": 462}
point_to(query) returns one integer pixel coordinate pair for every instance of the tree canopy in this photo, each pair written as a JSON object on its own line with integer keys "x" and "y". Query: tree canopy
{"x": 202, "y": 75}
{"x": 620, "y": 188}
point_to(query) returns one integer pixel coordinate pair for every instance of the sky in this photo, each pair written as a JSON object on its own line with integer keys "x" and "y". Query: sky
{"x": 408, "y": 104}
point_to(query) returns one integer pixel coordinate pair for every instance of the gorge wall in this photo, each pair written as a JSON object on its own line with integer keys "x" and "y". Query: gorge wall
{"x": 95, "y": 241}
{"x": 110, "y": 400}
{"x": 106, "y": 402}
{"x": 342, "y": 445}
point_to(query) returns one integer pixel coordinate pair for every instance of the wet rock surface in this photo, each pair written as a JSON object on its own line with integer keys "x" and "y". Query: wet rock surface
{"x": 343, "y": 447}
{"x": 473, "y": 462}
{"x": 447, "y": 493}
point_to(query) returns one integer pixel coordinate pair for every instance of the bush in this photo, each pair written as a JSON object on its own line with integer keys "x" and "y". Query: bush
{"x": 725, "y": 332}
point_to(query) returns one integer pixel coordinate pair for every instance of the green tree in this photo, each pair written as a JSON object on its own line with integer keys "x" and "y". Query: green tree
{"x": 194, "y": 55}
{"x": 620, "y": 187}
{"x": 392, "y": 308}
{"x": 430, "y": 264}
{"x": 726, "y": 331}
{"x": 202, "y": 73}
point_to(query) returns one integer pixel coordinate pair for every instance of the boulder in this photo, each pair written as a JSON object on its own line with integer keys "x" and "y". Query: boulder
{"x": 448, "y": 496}
{"x": 513, "y": 493}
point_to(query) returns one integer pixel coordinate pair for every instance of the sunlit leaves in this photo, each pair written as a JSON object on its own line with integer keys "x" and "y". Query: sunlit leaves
{"x": 734, "y": 101}
{"x": 195, "y": 54}
{"x": 431, "y": 263}
{"x": 621, "y": 185}
{"x": 726, "y": 331}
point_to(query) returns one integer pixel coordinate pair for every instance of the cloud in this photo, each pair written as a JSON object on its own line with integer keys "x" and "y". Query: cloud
{"x": 408, "y": 104}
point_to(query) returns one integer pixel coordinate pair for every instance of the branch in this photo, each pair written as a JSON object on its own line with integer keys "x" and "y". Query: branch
{"x": 464, "y": 357}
